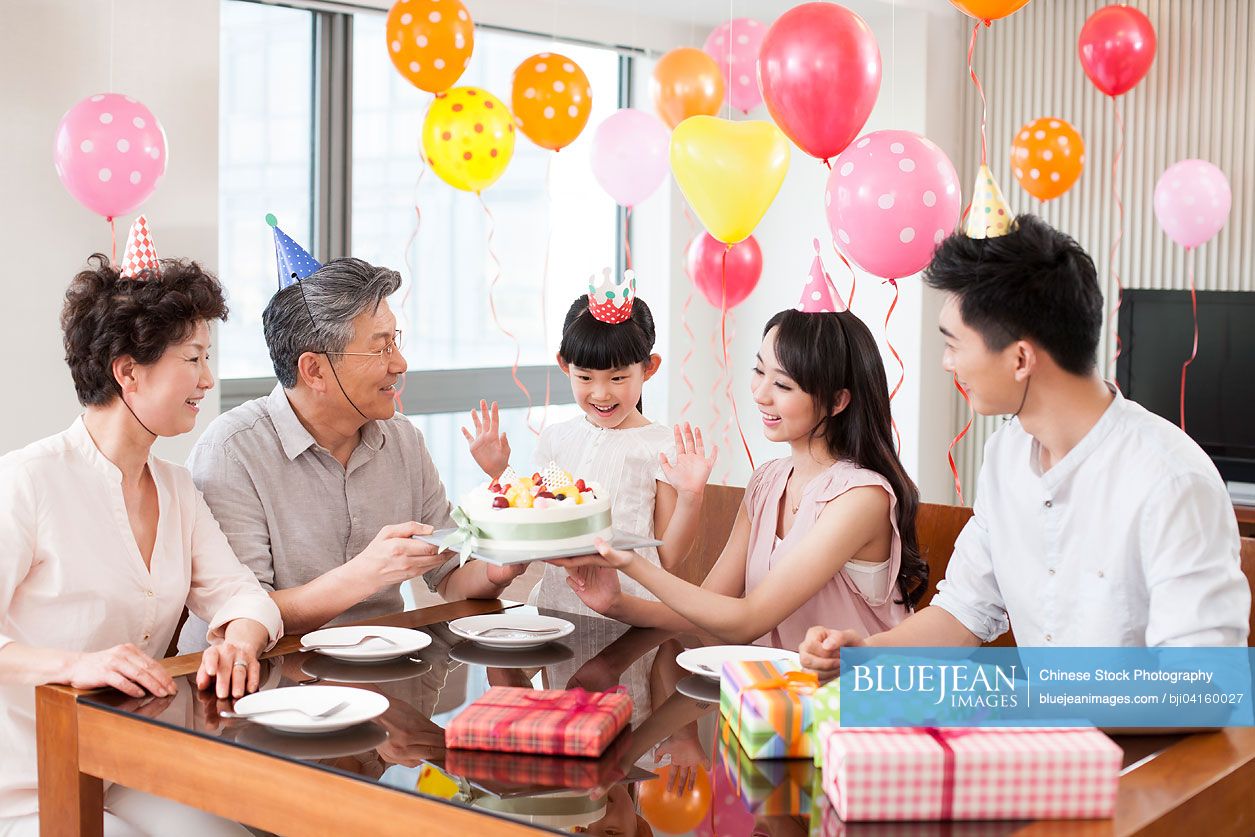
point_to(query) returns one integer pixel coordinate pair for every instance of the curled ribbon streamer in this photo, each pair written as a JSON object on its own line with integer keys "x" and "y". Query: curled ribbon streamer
{"x": 849, "y": 300}
{"x": 544, "y": 282}
{"x": 1119, "y": 236}
{"x": 688, "y": 331}
{"x": 1194, "y": 350}
{"x": 723, "y": 334}
{"x": 627, "y": 238}
{"x": 958, "y": 487}
{"x": 902, "y": 366}
{"x": 412, "y": 267}
{"x": 727, "y": 393}
{"x": 984, "y": 110}
{"x": 795, "y": 683}
{"x": 113, "y": 242}
{"x": 492, "y": 306}
{"x": 717, "y": 385}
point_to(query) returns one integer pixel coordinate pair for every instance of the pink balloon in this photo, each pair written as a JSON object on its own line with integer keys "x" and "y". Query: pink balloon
{"x": 819, "y": 70}
{"x": 630, "y": 155}
{"x": 706, "y": 267}
{"x": 892, "y": 197}
{"x": 110, "y": 152}
{"x": 734, "y": 46}
{"x": 1192, "y": 200}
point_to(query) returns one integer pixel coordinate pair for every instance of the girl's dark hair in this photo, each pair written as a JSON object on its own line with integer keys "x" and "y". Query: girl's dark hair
{"x": 107, "y": 316}
{"x": 824, "y": 354}
{"x": 589, "y": 343}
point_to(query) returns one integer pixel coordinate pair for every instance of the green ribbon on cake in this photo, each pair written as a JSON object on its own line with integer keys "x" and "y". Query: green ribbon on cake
{"x": 469, "y": 535}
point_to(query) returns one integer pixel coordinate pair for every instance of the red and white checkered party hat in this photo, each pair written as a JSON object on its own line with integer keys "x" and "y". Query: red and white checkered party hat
{"x": 819, "y": 295}
{"x": 611, "y": 300}
{"x": 140, "y": 254}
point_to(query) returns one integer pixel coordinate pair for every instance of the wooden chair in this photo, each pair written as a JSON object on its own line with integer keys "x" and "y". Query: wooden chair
{"x": 1248, "y": 569}
{"x": 719, "y": 509}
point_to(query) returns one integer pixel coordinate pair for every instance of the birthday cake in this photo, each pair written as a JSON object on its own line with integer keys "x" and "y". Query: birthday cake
{"x": 548, "y": 511}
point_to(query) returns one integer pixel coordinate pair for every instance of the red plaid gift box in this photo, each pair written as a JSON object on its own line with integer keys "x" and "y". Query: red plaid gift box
{"x": 569, "y": 722}
{"x": 510, "y": 771}
{"x": 970, "y": 774}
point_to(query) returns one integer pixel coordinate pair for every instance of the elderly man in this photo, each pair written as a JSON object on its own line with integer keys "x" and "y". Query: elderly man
{"x": 320, "y": 485}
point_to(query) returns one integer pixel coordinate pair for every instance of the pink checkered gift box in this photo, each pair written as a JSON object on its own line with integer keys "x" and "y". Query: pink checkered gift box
{"x": 952, "y": 773}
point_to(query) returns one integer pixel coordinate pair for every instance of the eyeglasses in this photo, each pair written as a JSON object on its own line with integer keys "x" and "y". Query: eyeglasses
{"x": 384, "y": 355}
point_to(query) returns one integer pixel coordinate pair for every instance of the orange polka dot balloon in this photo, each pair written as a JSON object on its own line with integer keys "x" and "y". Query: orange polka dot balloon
{"x": 1047, "y": 157}
{"x": 468, "y": 138}
{"x": 552, "y": 100}
{"x": 430, "y": 41}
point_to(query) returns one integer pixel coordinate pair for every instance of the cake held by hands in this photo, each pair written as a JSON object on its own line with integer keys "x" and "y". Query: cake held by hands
{"x": 549, "y": 510}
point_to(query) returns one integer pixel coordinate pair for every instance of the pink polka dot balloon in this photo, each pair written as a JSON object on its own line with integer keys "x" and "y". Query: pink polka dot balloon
{"x": 110, "y": 152}
{"x": 734, "y": 46}
{"x": 1192, "y": 200}
{"x": 892, "y": 197}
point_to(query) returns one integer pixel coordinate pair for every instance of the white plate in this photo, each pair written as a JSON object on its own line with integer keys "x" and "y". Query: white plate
{"x": 363, "y": 706}
{"x": 708, "y": 662}
{"x": 361, "y": 738}
{"x": 468, "y": 626}
{"x": 403, "y": 641}
{"x": 546, "y": 655}
{"x": 701, "y": 689}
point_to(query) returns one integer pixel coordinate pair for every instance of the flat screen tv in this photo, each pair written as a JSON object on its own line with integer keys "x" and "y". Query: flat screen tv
{"x": 1156, "y": 331}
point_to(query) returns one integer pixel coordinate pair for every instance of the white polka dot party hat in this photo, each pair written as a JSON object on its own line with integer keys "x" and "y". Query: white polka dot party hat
{"x": 819, "y": 295}
{"x": 989, "y": 216}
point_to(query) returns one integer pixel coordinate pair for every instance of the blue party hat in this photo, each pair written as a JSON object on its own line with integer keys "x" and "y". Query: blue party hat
{"x": 291, "y": 259}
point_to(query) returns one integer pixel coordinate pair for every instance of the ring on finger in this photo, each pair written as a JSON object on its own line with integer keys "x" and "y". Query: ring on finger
{"x": 240, "y": 664}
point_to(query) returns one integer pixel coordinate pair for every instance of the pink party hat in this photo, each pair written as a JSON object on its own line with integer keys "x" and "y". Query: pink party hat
{"x": 140, "y": 254}
{"x": 819, "y": 295}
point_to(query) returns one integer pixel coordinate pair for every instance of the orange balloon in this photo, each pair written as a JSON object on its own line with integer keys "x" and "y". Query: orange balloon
{"x": 1047, "y": 157}
{"x": 671, "y": 811}
{"x": 686, "y": 82}
{"x": 989, "y": 9}
{"x": 551, "y": 99}
{"x": 430, "y": 41}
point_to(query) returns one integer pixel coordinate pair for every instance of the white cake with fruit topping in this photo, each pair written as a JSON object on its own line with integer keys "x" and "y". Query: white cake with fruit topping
{"x": 549, "y": 511}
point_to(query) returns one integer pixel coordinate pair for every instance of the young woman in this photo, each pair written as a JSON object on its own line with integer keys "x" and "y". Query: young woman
{"x": 826, "y": 533}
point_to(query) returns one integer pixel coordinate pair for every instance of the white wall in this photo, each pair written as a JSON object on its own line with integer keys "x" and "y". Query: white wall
{"x": 52, "y": 54}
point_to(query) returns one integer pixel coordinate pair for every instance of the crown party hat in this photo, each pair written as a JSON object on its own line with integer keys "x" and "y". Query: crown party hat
{"x": 819, "y": 295}
{"x": 140, "y": 254}
{"x": 989, "y": 215}
{"x": 611, "y": 300}
{"x": 291, "y": 259}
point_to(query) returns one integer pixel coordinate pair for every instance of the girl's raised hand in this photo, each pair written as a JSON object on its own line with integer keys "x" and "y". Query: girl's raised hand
{"x": 489, "y": 447}
{"x": 691, "y": 469}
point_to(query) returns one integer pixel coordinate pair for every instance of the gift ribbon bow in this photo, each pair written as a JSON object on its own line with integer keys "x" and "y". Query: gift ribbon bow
{"x": 797, "y": 684}
{"x": 943, "y": 738}
{"x": 464, "y": 539}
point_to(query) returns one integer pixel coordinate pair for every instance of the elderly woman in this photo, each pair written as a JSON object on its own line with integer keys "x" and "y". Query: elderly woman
{"x": 102, "y": 543}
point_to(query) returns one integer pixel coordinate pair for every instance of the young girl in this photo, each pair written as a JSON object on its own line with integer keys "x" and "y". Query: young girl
{"x": 825, "y": 535}
{"x": 612, "y": 443}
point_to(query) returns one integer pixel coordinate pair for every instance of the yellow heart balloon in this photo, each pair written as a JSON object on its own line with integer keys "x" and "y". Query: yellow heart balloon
{"x": 468, "y": 138}
{"x": 730, "y": 172}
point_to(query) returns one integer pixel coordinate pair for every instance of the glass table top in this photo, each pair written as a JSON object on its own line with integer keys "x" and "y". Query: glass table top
{"x": 674, "y": 771}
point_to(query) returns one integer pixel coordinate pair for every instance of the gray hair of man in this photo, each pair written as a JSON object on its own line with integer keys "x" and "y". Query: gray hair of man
{"x": 321, "y": 318}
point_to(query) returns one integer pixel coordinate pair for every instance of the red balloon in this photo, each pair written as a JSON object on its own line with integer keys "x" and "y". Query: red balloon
{"x": 706, "y": 267}
{"x": 819, "y": 70}
{"x": 1117, "y": 47}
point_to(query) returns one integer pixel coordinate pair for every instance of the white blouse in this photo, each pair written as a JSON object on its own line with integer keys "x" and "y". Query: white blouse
{"x": 72, "y": 577}
{"x": 625, "y": 463}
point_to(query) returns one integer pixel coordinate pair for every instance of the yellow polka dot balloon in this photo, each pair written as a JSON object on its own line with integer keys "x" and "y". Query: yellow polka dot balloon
{"x": 552, "y": 100}
{"x": 468, "y": 138}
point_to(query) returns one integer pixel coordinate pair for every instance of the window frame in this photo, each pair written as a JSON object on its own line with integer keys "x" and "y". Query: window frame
{"x": 443, "y": 390}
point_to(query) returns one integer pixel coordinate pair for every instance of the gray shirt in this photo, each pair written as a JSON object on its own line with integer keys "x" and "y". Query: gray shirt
{"x": 292, "y": 512}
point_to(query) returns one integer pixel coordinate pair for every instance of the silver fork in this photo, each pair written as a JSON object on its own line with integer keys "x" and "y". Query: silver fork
{"x": 539, "y": 631}
{"x": 345, "y": 644}
{"x": 719, "y": 672}
{"x": 317, "y": 716}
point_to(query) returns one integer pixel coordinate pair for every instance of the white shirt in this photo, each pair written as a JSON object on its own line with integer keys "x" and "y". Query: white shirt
{"x": 72, "y": 578}
{"x": 1129, "y": 540}
{"x": 623, "y": 462}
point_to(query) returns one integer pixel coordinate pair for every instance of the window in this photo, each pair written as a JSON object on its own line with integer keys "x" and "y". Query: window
{"x": 265, "y": 164}
{"x": 277, "y": 63}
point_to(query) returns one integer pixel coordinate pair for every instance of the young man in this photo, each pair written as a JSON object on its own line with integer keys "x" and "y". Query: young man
{"x": 1096, "y": 522}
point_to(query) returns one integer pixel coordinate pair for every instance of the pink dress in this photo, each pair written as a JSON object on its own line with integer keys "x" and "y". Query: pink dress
{"x": 839, "y": 603}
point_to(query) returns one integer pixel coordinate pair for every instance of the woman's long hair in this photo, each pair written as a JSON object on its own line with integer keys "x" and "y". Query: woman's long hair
{"x": 589, "y": 343}
{"x": 827, "y": 353}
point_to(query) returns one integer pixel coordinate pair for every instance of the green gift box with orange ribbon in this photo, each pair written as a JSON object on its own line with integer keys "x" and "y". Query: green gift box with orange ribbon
{"x": 767, "y": 787}
{"x": 768, "y": 708}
